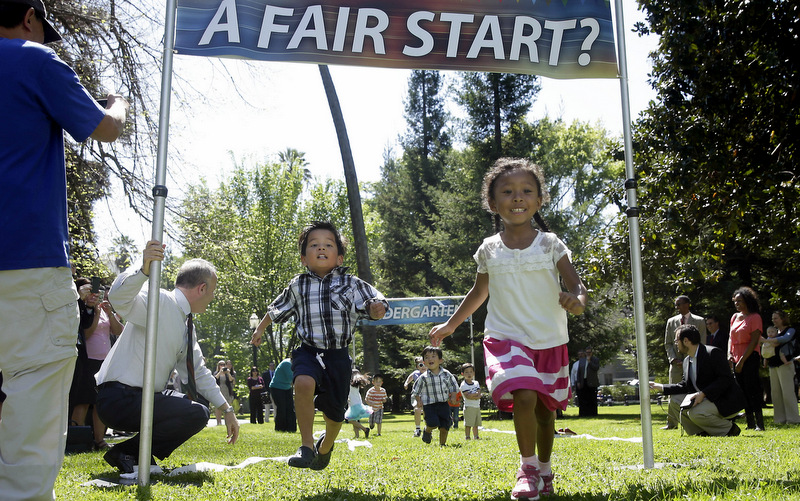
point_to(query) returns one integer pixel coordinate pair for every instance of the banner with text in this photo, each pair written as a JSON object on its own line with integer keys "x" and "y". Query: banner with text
{"x": 553, "y": 38}
{"x": 418, "y": 310}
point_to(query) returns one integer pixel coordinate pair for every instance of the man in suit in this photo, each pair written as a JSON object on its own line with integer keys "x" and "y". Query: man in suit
{"x": 588, "y": 382}
{"x": 267, "y": 376}
{"x": 708, "y": 388}
{"x": 716, "y": 336}
{"x": 684, "y": 317}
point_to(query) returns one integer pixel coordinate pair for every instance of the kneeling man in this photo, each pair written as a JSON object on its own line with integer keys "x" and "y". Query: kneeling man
{"x": 176, "y": 417}
{"x": 708, "y": 390}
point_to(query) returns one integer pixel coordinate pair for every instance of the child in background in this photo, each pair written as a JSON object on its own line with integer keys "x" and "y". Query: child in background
{"x": 471, "y": 390}
{"x": 768, "y": 349}
{"x": 518, "y": 270}
{"x": 433, "y": 389}
{"x": 455, "y": 406}
{"x": 325, "y": 303}
{"x": 357, "y": 410}
{"x": 376, "y": 396}
{"x": 410, "y": 380}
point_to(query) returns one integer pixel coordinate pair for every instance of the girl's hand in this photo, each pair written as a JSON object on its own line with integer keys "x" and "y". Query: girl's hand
{"x": 438, "y": 333}
{"x": 571, "y": 303}
{"x": 256, "y": 339}
{"x": 739, "y": 365}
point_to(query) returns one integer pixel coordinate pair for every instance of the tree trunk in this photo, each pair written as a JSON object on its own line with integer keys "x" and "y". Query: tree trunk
{"x": 356, "y": 216}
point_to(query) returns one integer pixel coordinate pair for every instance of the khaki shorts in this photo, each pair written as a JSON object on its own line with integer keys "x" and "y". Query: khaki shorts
{"x": 472, "y": 416}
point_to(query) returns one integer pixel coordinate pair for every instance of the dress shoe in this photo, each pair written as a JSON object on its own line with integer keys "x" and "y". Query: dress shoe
{"x": 119, "y": 460}
{"x": 734, "y": 431}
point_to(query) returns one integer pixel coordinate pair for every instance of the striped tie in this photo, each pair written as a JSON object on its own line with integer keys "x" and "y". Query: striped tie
{"x": 191, "y": 386}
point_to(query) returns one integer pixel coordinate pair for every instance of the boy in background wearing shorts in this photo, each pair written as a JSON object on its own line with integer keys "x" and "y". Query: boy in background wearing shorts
{"x": 471, "y": 390}
{"x": 433, "y": 390}
{"x": 375, "y": 398}
{"x": 325, "y": 303}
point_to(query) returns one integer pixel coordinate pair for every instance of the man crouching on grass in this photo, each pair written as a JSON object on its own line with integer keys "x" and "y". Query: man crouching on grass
{"x": 433, "y": 389}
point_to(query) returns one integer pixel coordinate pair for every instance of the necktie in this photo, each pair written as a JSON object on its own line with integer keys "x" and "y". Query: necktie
{"x": 690, "y": 375}
{"x": 683, "y": 320}
{"x": 191, "y": 385}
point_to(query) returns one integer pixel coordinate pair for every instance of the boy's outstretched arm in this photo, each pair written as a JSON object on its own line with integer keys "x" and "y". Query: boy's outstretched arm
{"x": 376, "y": 309}
{"x": 259, "y": 332}
{"x": 474, "y": 299}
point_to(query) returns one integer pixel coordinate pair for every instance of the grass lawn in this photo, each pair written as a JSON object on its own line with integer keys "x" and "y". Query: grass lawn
{"x": 753, "y": 466}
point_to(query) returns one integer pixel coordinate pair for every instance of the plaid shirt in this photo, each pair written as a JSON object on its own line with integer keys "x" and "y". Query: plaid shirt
{"x": 435, "y": 387}
{"x": 325, "y": 309}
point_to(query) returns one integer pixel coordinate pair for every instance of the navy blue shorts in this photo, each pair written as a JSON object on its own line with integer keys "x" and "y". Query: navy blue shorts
{"x": 331, "y": 370}
{"x": 437, "y": 415}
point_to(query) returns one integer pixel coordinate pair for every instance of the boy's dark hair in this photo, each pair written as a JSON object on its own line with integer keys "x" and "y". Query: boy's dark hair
{"x": 378, "y": 376}
{"x": 689, "y": 332}
{"x": 467, "y": 366}
{"x": 432, "y": 349}
{"x": 302, "y": 242}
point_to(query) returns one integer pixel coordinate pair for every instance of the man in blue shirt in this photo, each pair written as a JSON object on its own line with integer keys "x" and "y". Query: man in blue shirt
{"x": 40, "y": 98}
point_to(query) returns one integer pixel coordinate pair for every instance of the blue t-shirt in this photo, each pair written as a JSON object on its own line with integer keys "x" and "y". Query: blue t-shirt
{"x": 40, "y": 97}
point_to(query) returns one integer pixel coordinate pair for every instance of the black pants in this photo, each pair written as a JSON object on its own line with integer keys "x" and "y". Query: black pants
{"x": 256, "y": 408}
{"x": 587, "y": 400}
{"x": 176, "y": 419}
{"x": 285, "y": 418}
{"x": 750, "y": 384}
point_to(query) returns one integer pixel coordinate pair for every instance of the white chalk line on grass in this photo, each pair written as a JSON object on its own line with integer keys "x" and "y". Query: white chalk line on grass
{"x": 564, "y": 435}
{"x": 130, "y": 478}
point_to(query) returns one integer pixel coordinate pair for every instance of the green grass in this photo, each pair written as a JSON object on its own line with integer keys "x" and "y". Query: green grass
{"x": 753, "y": 466}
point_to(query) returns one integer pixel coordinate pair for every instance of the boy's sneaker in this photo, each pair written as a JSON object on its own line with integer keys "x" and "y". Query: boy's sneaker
{"x": 303, "y": 457}
{"x": 417, "y": 432}
{"x": 320, "y": 461}
{"x": 547, "y": 487}
{"x": 426, "y": 437}
{"x": 528, "y": 485}
{"x": 366, "y": 432}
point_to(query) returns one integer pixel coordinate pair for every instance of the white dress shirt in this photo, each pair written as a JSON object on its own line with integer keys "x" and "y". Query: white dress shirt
{"x": 125, "y": 361}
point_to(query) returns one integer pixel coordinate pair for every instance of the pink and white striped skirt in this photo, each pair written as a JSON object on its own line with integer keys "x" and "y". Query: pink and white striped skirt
{"x": 512, "y": 366}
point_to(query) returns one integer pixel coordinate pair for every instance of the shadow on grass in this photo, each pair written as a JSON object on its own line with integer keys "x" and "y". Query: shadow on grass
{"x": 193, "y": 478}
{"x": 344, "y": 495}
{"x": 717, "y": 487}
{"x": 631, "y": 491}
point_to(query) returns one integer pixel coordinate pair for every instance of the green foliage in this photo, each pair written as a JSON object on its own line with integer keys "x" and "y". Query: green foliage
{"x": 248, "y": 228}
{"x": 494, "y": 102}
{"x": 716, "y": 156}
{"x": 718, "y": 153}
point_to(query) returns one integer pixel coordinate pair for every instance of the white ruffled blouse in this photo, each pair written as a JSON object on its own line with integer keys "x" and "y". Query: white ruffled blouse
{"x": 523, "y": 291}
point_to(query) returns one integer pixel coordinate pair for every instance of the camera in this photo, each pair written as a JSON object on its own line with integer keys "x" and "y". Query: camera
{"x": 95, "y": 285}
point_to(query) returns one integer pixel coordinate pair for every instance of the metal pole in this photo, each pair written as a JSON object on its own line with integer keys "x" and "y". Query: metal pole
{"x": 636, "y": 257}
{"x": 159, "y": 199}
{"x": 471, "y": 342}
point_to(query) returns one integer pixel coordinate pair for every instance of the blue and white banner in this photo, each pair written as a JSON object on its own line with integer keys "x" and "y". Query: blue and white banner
{"x": 553, "y": 38}
{"x": 418, "y": 310}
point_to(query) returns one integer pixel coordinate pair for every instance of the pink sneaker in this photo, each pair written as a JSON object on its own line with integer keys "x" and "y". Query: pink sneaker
{"x": 528, "y": 485}
{"x": 547, "y": 489}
